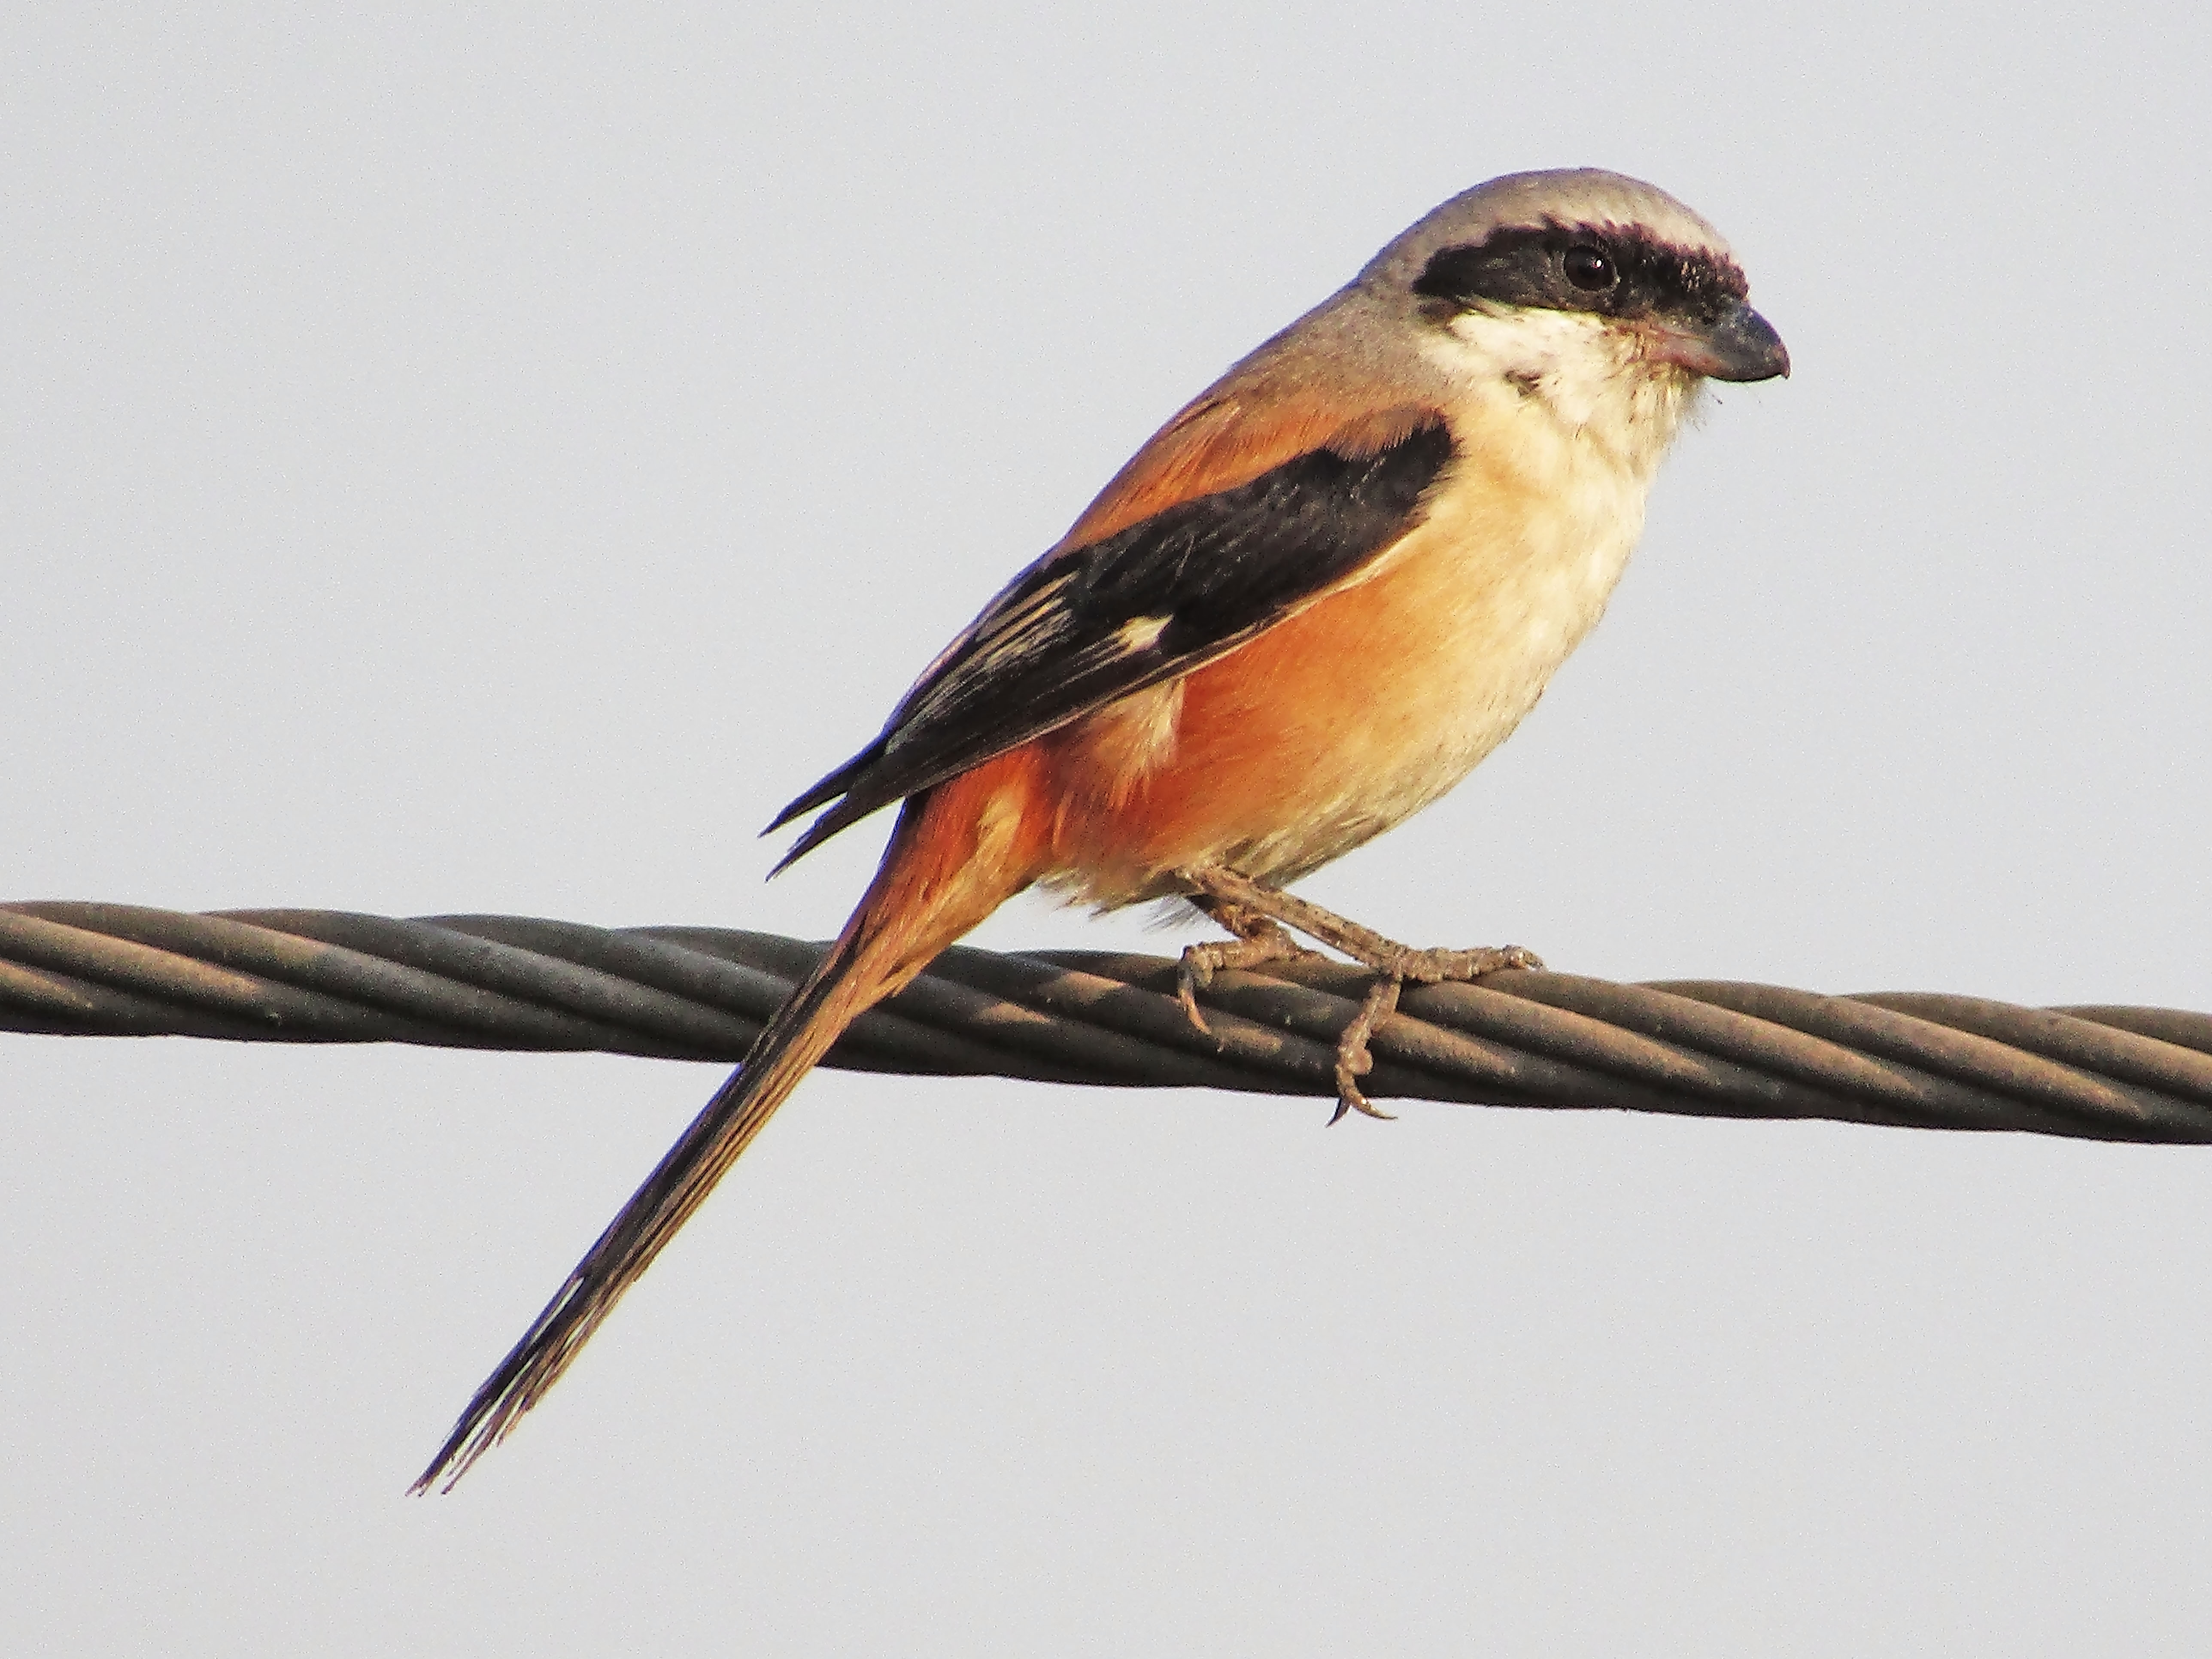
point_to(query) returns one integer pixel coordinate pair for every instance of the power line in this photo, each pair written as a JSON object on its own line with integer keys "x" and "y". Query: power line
{"x": 1705, "y": 1048}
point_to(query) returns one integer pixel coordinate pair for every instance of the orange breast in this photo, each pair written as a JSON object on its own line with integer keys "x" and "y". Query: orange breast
{"x": 1340, "y": 722}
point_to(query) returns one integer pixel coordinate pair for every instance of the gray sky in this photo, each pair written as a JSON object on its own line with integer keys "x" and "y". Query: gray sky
{"x": 490, "y": 463}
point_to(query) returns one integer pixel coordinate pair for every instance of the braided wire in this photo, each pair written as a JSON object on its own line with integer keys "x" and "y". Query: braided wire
{"x": 1518, "y": 1038}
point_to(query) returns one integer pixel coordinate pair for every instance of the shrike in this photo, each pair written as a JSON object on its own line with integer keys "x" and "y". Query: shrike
{"x": 1310, "y": 604}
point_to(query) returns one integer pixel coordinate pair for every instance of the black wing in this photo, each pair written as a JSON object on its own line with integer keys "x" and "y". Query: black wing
{"x": 1086, "y": 625}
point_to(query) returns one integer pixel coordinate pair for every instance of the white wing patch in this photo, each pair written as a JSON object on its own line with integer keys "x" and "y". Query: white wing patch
{"x": 1142, "y": 633}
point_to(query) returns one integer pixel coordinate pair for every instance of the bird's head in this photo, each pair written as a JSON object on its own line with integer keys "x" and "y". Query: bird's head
{"x": 1599, "y": 302}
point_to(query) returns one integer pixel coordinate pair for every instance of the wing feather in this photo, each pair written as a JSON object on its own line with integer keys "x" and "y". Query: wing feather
{"x": 1223, "y": 548}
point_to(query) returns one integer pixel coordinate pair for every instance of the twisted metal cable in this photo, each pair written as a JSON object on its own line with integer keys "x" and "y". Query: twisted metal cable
{"x": 1707, "y": 1048}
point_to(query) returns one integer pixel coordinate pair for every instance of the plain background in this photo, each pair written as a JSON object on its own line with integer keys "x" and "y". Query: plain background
{"x": 489, "y": 459}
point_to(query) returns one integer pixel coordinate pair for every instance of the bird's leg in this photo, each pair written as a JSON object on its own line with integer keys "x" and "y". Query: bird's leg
{"x": 1259, "y": 941}
{"x": 1392, "y": 962}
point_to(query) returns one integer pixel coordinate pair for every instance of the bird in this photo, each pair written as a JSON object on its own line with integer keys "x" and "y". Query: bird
{"x": 1305, "y": 610}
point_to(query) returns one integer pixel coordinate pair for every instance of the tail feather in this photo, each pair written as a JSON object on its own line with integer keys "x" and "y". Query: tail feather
{"x": 949, "y": 865}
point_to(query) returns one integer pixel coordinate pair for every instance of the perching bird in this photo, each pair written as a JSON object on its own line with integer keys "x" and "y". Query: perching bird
{"x": 1310, "y": 604}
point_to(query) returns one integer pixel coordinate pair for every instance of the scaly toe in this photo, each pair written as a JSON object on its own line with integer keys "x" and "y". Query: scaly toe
{"x": 1353, "y": 1058}
{"x": 1440, "y": 966}
{"x": 1193, "y": 975}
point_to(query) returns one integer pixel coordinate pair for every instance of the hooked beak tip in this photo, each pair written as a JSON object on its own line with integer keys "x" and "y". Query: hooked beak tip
{"x": 1742, "y": 346}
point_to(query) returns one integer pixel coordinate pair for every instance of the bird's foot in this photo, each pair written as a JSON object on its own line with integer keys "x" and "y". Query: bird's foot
{"x": 1353, "y": 1060}
{"x": 1258, "y": 942}
{"x": 1257, "y": 907}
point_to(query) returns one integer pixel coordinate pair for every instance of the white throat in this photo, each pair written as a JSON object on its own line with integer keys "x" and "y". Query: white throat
{"x": 1567, "y": 379}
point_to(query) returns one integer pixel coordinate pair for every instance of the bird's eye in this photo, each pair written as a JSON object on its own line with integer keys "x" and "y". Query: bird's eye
{"x": 1589, "y": 270}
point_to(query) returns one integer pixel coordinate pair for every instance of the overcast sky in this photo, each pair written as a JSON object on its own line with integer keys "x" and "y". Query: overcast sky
{"x": 491, "y": 462}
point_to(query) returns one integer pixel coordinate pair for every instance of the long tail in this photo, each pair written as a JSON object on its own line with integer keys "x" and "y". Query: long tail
{"x": 959, "y": 851}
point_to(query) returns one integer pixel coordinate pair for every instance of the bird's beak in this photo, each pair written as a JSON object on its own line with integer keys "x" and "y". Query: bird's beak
{"x": 1741, "y": 346}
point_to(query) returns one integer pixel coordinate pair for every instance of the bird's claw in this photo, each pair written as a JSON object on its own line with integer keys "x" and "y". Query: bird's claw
{"x": 1258, "y": 942}
{"x": 1193, "y": 975}
{"x": 1354, "y": 1060}
{"x": 1260, "y": 914}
